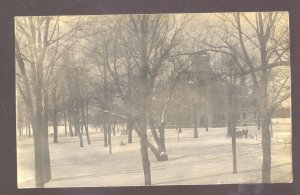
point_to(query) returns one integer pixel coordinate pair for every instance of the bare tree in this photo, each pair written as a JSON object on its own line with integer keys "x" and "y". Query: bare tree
{"x": 37, "y": 52}
{"x": 34, "y": 33}
{"x": 263, "y": 35}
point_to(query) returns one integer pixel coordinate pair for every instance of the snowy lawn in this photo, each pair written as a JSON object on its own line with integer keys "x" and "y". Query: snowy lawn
{"x": 205, "y": 160}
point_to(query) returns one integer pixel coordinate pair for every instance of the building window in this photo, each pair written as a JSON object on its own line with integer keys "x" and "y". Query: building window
{"x": 254, "y": 115}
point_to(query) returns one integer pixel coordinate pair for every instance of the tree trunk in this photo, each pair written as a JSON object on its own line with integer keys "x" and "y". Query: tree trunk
{"x": 29, "y": 128}
{"x": 233, "y": 143}
{"x": 38, "y": 138}
{"x": 232, "y": 116}
{"x": 143, "y": 99}
{"x": 195, "y": 120}
{"x": 81, "y": 125}
{"x": 65, "y": 122}
{"x": 106, "y": 104}
{"x": 233, "y": 129}
{"x": 230, "y": 122}
{"x": 26, "y": 126}
{"x": 84, "y": 122}
{"x": 37, "y": 126}
{"x": 156, "y": 152}
{"x": 266, "y": 146}
{"x": 109, "y": 134}
{"x": 55, "y": 129}
{"x": 105, "y": 132}
{"x": 271, "y": 127}
{"x": 54, "y": 120}
{"x": 47, "y": 168}
{"x": 266, "y": 118}
{"x": 114, "y": 128}
{"x": 162, "y": 142}
{"x": 70, "y": 113}
{"x": 129, "y": 129}
{"x": 87, "y": 121}
{"x": 144, "y": 151}
{"x": 87, "y": 134}
{"x": 38, "y": 153}
{"x": 179, "y": 125}
{"x": 77, "y": 127}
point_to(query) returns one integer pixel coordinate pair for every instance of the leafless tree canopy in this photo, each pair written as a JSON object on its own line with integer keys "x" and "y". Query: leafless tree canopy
{"x": 149, "y": 73}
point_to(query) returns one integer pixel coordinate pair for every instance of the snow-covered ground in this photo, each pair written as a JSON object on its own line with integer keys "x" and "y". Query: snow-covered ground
{"x": 205, "y": 160}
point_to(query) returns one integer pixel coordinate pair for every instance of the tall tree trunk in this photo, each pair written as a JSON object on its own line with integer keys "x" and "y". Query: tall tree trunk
{"x": 55, "y": 129}
{"x": 105, "y": 133}
{"x": 266, "y": 117}
{"x": 65, "y": 121}
{"x": 38, "y": 152}
{"x": 109, "y": 126}
{"x": 77, "y": 127}
{"x": 154, "y": 150}
{"x": 162, "y": 142}
{"x": 47, "y": 168}
{"x": 81, "y": 125}
{"x": 144, "y": 150}
{"x": 160, "y": 153}
{"x": 106, "y": 104}
{"x": 195, "y": 119}
{"x": 233, "y": 144}
{"x": 70, "y": 122}
{"x": 26, "y": 126}
{"x": 266, "y": 136}
{"x": 54, "y": 118}
{"x": 37, "y": 125}
{"x": 114, "y": 128}
{"x": 38, "y": 138}
{"x": 77, "y": 111}
{"x": 29, "y": 128}
{"x": 271, "y": 127}
{"x": 143, "y": 100}
{"x": 129, "y": 128}
{"x": 85, "y": 123}
{"x": 266, "y": 146}
{"x": 232, "y": 115}
{"x": 179, "y": 125}
{"x": 109, "y": 134}
{"x": 233, "y": 127}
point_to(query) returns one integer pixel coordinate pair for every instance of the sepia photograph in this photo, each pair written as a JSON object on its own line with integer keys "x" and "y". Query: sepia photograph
{"x": 153, "y": 99}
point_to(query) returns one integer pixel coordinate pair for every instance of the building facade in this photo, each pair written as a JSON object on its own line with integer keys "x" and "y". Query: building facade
{"x": 202, "y": 96}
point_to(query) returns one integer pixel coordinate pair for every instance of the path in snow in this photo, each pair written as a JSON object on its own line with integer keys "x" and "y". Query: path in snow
{"x": 205, "y": 160}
